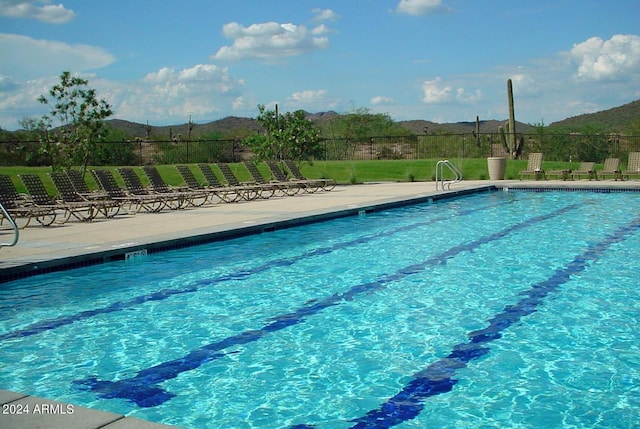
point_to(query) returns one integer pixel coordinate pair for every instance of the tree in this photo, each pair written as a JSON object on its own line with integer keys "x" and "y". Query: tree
{"x": 634, "y": 127}
{"x": 360, "y": 124}
{"x": 75, "y": 123}
{"x": 288, "y": 136}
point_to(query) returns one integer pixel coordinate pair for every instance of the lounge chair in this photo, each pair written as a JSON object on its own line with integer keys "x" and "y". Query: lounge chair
{"x": 67, "y": 193}
{"x": 83, "y": 211}
{"x": 192, "y": 197}
{"x": 230, "y": 193}
{"x": 534, "y": 166}
{"x": 251, "y": 190}
{"x": 585, "y": 169}
{"x": 279, "y": 174}
{"x": 20, "y": 208}
{"x": 633, "y": 166}
{"x": 134, "y": 186}
{"x": 562, "y": 173}
{"x": 611, "y": 168}
{"x": 80, "y": 186}
{"x": 325, "y": 184}
{"x": 213, "y": 195}
{"x": 279, "y": 188}
{"x": 132, "y": 204}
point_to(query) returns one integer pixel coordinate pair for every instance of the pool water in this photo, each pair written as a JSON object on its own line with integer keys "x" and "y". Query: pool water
{"x": 501, "y": 309}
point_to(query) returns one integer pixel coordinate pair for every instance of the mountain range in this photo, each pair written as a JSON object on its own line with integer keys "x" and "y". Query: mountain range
{"x": 618, "y": 119}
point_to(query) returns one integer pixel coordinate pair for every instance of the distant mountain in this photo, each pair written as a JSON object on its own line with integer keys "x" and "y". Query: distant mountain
{"x": 236, "y": 127}
{"x": 617, "y": 119}
{"x": 490, "y": 126}
{"x": 229, "y": 127}
{"x": 127, "y": 127}
{"x": 321, "y": 116}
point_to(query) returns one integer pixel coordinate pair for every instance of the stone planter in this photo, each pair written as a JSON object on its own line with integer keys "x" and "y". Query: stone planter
{"x": 497, "y": 166}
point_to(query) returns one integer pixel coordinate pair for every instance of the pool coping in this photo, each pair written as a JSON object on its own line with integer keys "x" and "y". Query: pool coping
{"x": 21, "y": 411}
{"x": 354, "y": 204}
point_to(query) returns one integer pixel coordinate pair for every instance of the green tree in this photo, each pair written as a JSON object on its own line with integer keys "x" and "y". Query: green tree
{"x": 288, "y": 136}
{"x": 634, "y": 127}
{"x": 360, "y": 124}
{"x": 30, "y": 134}
{"x": 74, "y": 124}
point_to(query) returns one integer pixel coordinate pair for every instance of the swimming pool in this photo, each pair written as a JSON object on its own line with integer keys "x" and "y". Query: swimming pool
{"x": 506, "y": 309}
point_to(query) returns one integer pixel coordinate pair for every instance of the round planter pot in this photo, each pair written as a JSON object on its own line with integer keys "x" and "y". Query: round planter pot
{"x": 497, "y": 166}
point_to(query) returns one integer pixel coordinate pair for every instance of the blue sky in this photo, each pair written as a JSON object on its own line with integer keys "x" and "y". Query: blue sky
{"x": 163, "y": 62}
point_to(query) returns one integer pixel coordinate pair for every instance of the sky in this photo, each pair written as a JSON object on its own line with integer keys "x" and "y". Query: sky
{"x": 171, "y": 61}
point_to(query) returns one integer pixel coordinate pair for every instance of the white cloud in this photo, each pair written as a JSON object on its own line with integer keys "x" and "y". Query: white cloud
{"x": 324, "y": 15}
{"x": 20, "y": 100}
{"x": 310, "y": 100}
{"x": 31, "y": 58}
{"x": 465, "y": 97}
{"x": 7, "y": 84}
{"x": 239, "y": 104}
{"x": 381, "y": 100}
{"x": 594, "y": 75}
{"x": 164, "y": 96}
{"x": 208, "y": 74}
{"x": 321, "y": 29}
{"x": 524, "y": 84}
{"x": 421, "y": 7}
{"x": 307, "y": 97}
{"x": 435, "y": 92}
{"x": 55, "y": 14}
{"x": 268, "y": 40}
{"x": 200, "y": 91}
{"x": 162, "y": 75}
{"x": 611, "y": 59}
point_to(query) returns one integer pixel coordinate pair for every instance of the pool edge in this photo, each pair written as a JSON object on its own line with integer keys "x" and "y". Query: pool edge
{"x": 87, "y": 258}
{"x": 279, "y": 218}
{"x": 21, "y": 411}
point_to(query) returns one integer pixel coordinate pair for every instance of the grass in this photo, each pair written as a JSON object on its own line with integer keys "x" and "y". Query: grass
{"x": 343, "y": 172}
{"x": 413, "y": 170}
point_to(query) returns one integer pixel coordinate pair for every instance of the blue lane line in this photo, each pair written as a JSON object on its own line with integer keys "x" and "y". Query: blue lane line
{"x": 143, "y": 389}
{"x": 49, "y": 324}
{"x": 437, "y": 378}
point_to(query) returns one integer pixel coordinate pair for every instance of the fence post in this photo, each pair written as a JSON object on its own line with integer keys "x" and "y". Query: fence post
{"x": 233, "y": 151}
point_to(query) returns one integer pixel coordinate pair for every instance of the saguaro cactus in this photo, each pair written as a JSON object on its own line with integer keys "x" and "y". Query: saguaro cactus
{"x": 512, "y": 115}
{"x": 511, "y": 143}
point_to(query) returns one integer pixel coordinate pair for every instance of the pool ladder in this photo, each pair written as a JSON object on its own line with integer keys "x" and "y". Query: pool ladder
{"x": 16, "y": 234}
{"x": 442, "y": 184}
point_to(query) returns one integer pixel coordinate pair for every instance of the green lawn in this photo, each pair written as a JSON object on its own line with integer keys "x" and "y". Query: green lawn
{"x": 416, "y": 170}
{"x": 344, "y": 172}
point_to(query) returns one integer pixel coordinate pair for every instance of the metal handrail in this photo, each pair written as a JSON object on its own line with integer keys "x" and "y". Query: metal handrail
{"x": 16, "y": 236}
{"x": 440, "y": 182}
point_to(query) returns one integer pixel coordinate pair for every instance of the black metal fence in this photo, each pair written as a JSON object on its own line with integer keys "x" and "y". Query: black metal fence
{"x": 556, "y": 147}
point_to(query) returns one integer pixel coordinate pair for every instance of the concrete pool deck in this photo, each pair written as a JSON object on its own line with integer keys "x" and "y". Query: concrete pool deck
{"x": 42, "y": 249}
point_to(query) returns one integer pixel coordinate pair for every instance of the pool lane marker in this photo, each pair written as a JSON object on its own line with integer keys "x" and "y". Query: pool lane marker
{"x": 143, "y": 390}
{"x": 49, "y": 324}
{"x": 437, "y": 378}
